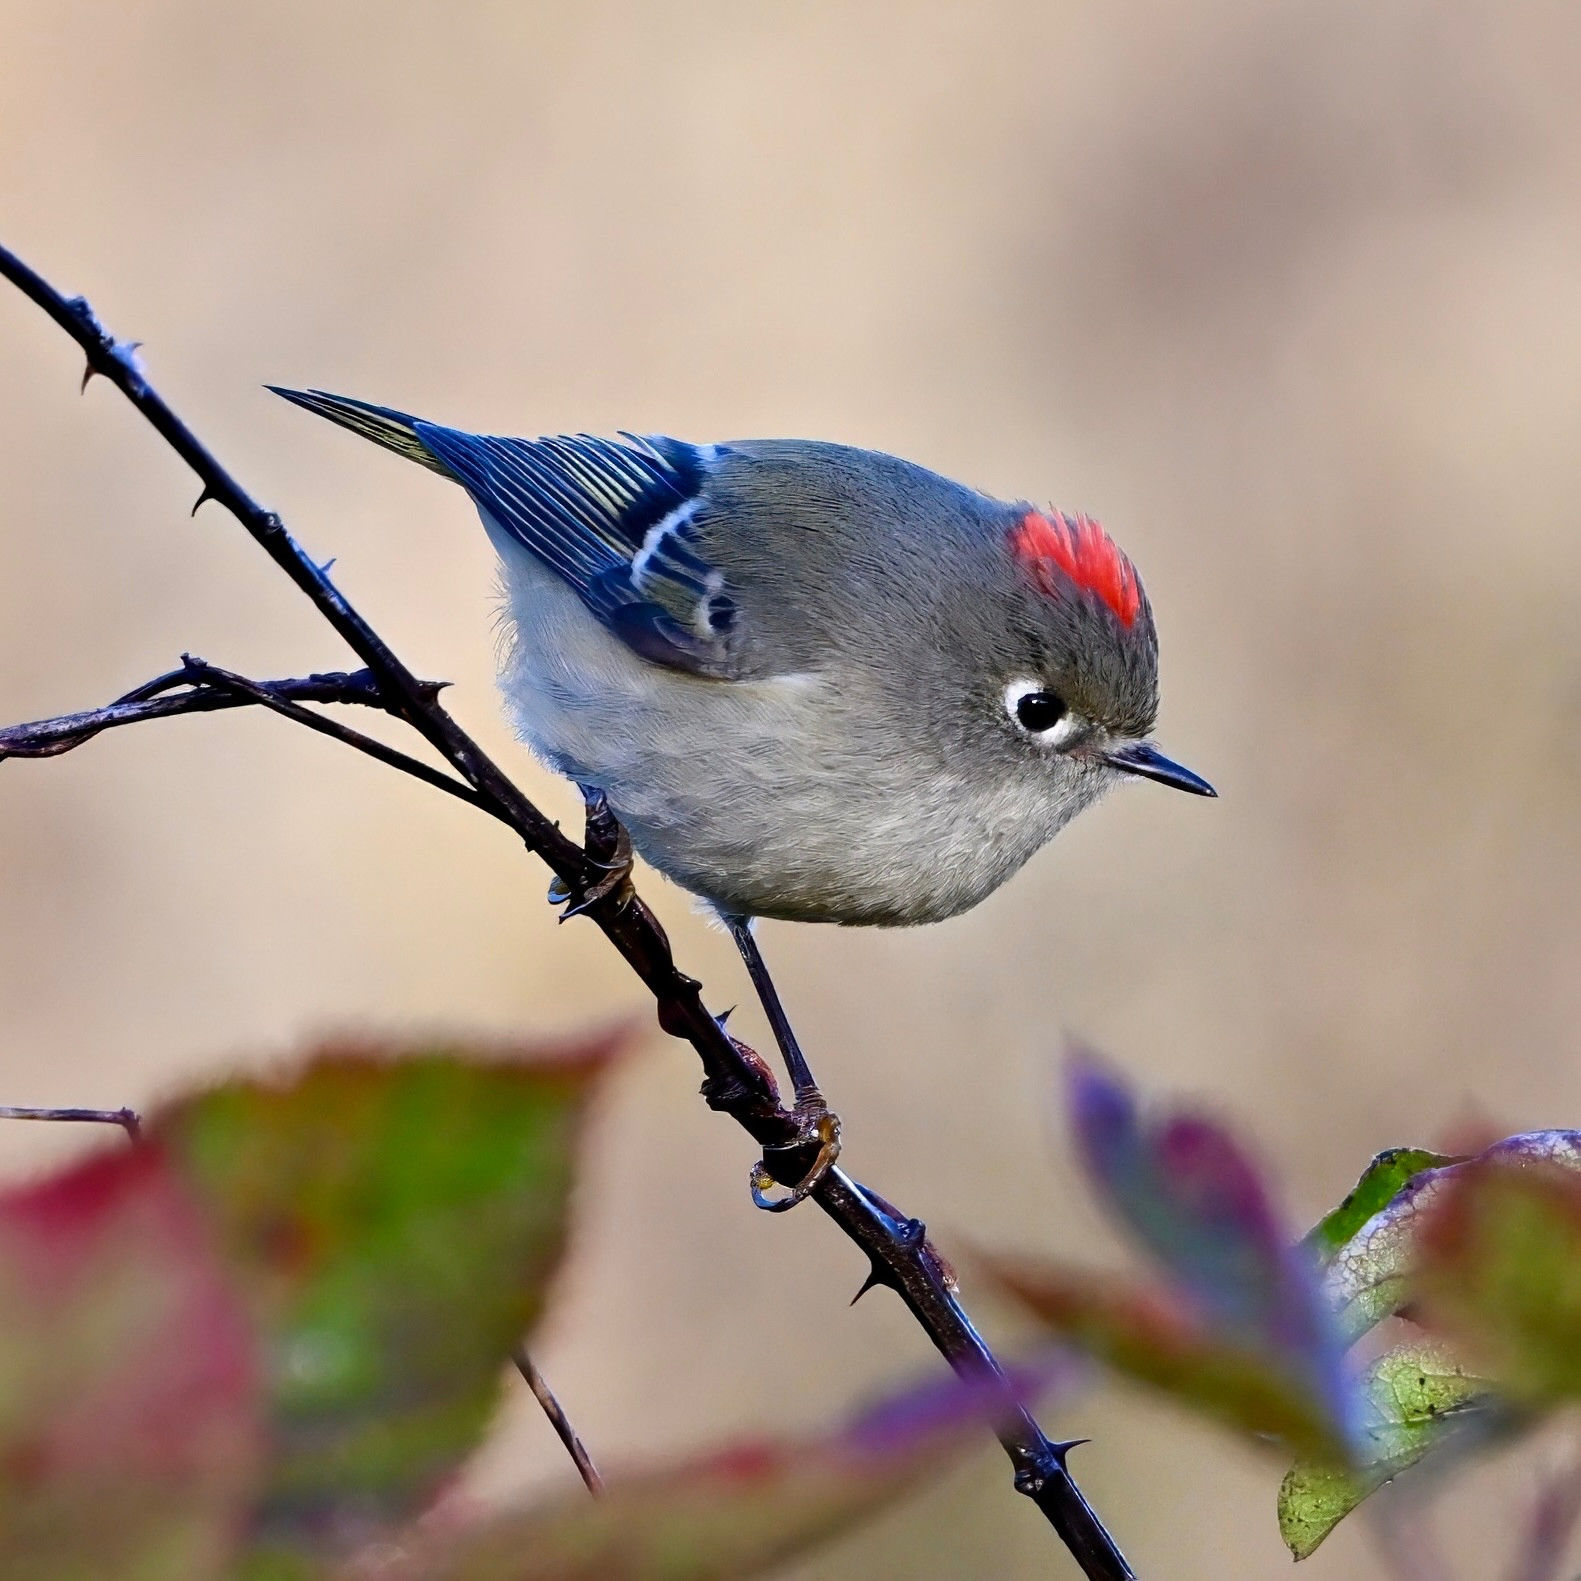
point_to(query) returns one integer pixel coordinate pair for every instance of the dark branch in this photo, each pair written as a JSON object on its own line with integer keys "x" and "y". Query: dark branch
{"x": 47, "y": 738}
{"x": 198, "y": 687}
{"x": 735, "y": 1079}
{"x": 128, "y": 1119}
{"x": 552, "y": 1408}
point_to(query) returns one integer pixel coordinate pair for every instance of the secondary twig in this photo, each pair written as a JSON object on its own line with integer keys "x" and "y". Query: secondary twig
{"x": 198, "y": 688}
{"x": 552, "y": 1408}
{"x": 128, "y": 1119}
{"x": 176, "y": 692}
{"x": 736, "y": 1080}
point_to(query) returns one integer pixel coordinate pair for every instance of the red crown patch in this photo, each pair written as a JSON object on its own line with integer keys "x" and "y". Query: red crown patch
{"x": 1084, "y": 552}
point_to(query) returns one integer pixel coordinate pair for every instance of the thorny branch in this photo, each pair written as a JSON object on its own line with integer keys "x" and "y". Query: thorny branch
{"x": 735, "y": 1079}
{"x": 198, "y": 687}
{"x": 128, "y": 1119}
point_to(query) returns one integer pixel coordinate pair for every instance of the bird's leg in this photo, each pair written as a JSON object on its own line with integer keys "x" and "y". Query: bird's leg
{"x": 819, "y": 1125}
{"x": 608, "y": 848}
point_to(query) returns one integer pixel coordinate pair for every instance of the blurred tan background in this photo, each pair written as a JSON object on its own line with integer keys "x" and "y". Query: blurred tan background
{"x": 1288, "y": 294}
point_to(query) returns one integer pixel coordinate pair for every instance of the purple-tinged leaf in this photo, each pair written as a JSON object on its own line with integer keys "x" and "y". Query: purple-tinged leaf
{"x": 1153, "y": 1337}
{"x": 729, "y": 1514}
{"x": 1185, "y": 1189}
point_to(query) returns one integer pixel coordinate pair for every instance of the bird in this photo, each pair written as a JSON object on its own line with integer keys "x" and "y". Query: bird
{"x": 814, "y": 683}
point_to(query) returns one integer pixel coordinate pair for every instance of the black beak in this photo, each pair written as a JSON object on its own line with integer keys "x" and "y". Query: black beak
{"x": 1143, "y": 759}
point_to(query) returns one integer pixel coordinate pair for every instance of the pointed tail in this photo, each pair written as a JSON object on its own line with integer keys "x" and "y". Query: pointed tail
{"x": 382, "y": 424}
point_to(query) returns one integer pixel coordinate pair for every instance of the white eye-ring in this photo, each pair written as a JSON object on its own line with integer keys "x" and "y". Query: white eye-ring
{"x": 1040, "y": 713}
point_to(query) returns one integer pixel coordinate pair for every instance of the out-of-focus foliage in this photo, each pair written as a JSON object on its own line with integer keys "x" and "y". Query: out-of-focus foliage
{"x": 730, "y": 1513}
{"x": 391, "y": 1226}
{"x": 1499, "y": 1269}
{"x": 129, "y": 1385}
{"x": 1148, "y": 1334}
{"x": 1478, "y": 1258}
{"x": 1236, "y": 1328}
{"x": 259, "y": 1343}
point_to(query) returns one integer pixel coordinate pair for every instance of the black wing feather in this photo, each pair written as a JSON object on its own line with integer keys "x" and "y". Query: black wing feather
{"x": 588, "y": 508}
{"x": 618, "y": 521}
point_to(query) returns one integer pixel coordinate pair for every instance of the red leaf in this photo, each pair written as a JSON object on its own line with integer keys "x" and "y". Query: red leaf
{"x": 128, "y": 1426}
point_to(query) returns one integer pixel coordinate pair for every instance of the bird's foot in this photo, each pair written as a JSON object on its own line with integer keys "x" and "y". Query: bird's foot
{"x": 607, "y": 847}
{"x": 818, "y": 1127}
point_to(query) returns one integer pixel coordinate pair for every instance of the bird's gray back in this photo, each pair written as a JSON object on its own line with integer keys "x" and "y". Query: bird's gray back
{"x": 828, "y": 548}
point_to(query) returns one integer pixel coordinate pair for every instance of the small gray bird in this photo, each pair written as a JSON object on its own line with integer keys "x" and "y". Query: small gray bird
{"x": 814, "y": 682}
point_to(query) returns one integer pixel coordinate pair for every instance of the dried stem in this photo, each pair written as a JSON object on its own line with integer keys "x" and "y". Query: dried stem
{"x": 128, "y": 1119}
{"x": 552, "y": 1408}
{"x": 198, "y": 688}
{"x": 736, "y": 1080}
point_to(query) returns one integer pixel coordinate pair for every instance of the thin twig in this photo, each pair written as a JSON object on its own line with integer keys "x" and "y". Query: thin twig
{"x": 552, "y": 1408}
{"x": 160, "y": 699}
{"x": 205, "y": 688}
{"x": 128, "y": 1119}
{"x": 266, "y": 696}
{"x": 736, "y": 1080}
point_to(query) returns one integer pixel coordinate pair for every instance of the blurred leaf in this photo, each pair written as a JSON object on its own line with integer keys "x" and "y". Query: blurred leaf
{"x": 1366, "y": 1279}
{"x": 1499, "y": 1271}
{"x": 128, "y": 1387}
{"x": 1414, "y": 1396}
{"x": 1379, "y": 1183}
{"x": 1154, "y": 1338}
{"x": 729, "y": 1514}
{"x": 1249, "y": 1305}
{"x": 392, "y": 1225}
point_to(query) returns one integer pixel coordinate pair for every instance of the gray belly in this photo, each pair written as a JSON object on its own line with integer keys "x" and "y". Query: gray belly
{"x": 764, "y": 797}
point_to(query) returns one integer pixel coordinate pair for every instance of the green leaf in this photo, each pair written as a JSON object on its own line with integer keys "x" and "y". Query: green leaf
{"x": 129, "y": 1428}
{"x": 1415, "y": 1396}
{"x": 1380, "y": 1182}
{"x": 1154, "y": 1338}
{"x": 732, "y": 1514}
{"x": 392, "y": 1225}
{"x": 1499, "y": 1273}
{"x": 1367, "y": 1279}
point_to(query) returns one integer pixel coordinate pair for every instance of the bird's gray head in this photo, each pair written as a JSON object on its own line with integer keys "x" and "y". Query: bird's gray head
{"x": 1065, "y": 657}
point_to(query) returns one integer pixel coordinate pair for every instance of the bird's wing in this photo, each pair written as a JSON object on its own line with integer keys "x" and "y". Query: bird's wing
{"x": 617, "y": 520}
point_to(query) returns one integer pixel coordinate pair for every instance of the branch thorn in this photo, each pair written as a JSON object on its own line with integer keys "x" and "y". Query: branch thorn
{"x": 874, "y": 1279}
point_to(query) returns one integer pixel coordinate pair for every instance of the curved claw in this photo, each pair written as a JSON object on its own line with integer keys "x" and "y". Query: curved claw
{"x": 762, "y": 1182}
{"x": 616, "y": 881}
{"x": 607, "y": 848}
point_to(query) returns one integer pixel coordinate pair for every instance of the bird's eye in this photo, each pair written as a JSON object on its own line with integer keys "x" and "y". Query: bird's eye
{"x": 1038, "y": 711}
